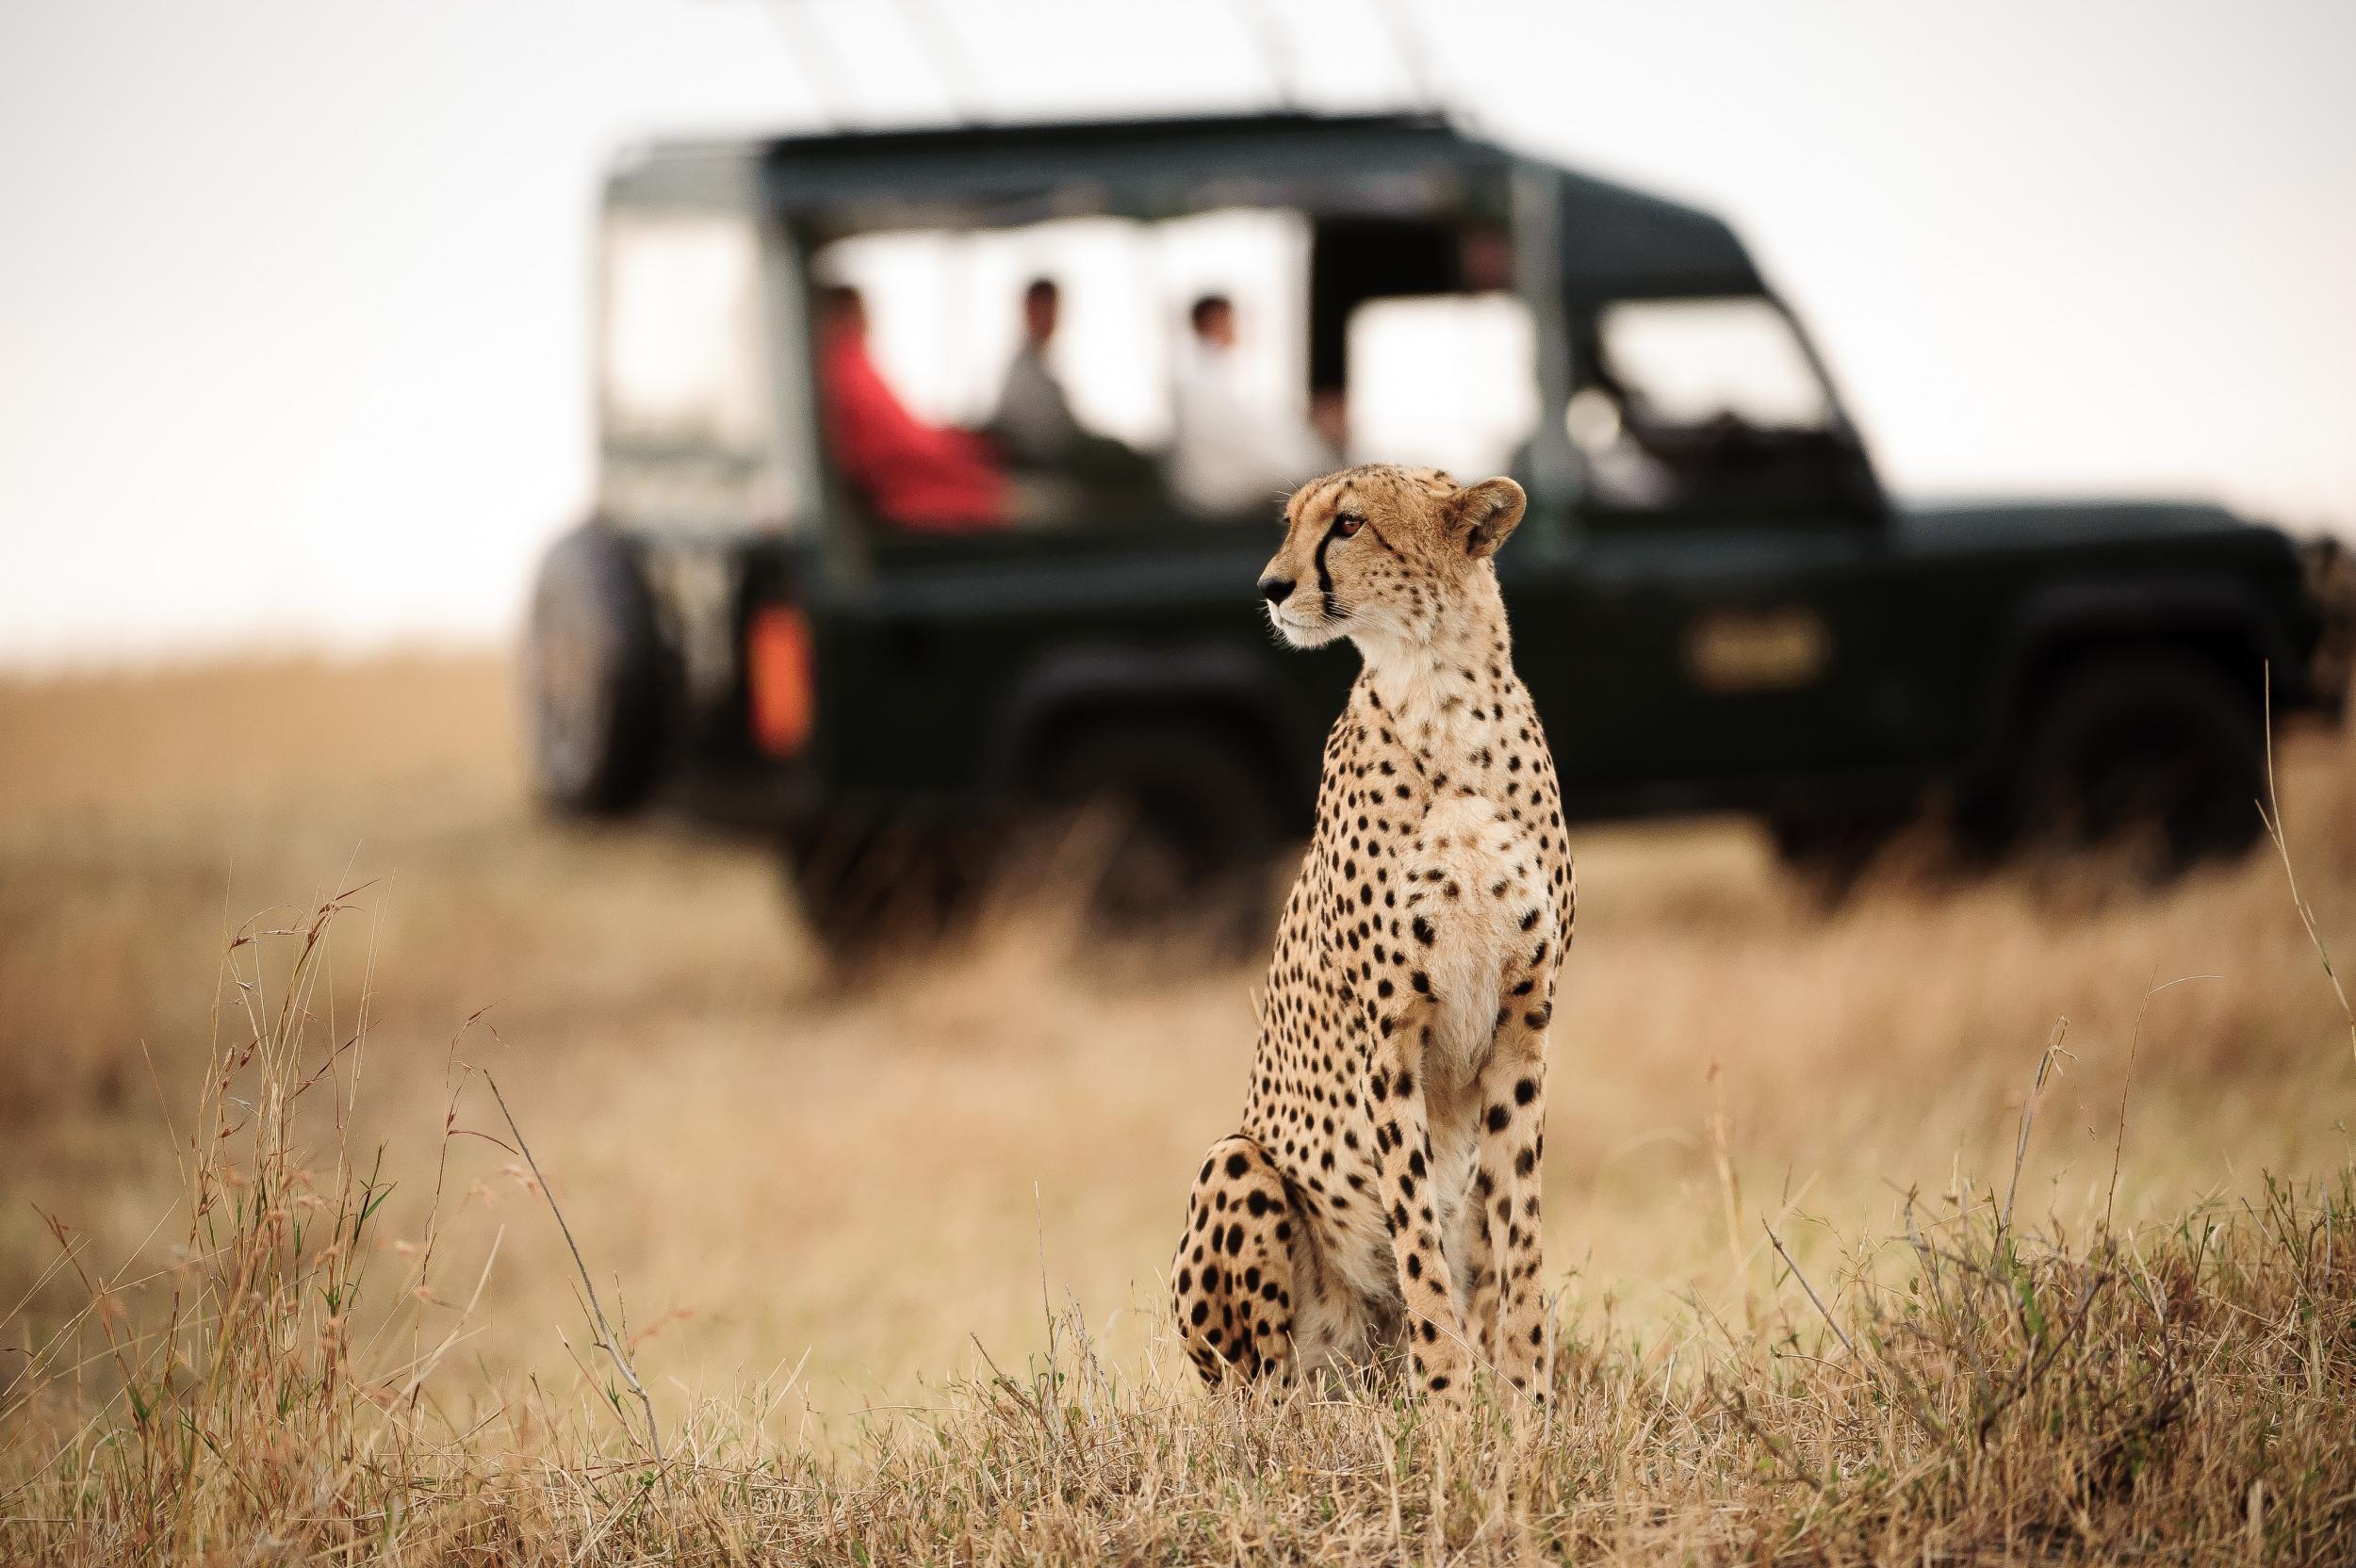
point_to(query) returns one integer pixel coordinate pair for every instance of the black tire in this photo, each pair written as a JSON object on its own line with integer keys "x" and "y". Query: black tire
{"x": 1829, "y": 857}
{"x": 593, "y": 678}
{"x": 872, "y": 889}
{"x": 1191, "y": 820}
{"x": 2154, "y": 752}
{"x": 1193, "y": 817}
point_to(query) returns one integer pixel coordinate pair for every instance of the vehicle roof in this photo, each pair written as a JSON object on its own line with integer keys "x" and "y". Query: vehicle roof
{"x": 1617, "y": 241}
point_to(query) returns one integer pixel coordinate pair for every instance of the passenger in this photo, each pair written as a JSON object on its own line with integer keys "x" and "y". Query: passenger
{"x": 1063, "y": 471}
{"x": 1232, "y": 451}
{"x": 909, "y": 474}
{"x": 1033, "y": 422}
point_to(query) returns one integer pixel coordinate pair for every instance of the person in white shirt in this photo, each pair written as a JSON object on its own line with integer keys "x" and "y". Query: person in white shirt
{"x": 1234, "y": 453}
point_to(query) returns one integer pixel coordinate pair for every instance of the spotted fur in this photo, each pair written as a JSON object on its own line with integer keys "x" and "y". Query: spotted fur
{"x": 1381, "y": 1202}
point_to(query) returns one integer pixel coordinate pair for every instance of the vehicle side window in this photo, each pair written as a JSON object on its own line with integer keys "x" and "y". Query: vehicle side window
{"x": 682, "y": 342}
{"x": 687, "y": 406}
{"x": 1074, "y": 374}
{"x": 947, "y": 310}
{"x": 1087, "y": 375}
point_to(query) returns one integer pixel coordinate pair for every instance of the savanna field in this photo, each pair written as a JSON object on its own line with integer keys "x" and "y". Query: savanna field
{"x": 311, "y": 1027}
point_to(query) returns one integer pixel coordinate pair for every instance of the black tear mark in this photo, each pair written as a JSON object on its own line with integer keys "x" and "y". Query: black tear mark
{"x": 1325, "y": 578}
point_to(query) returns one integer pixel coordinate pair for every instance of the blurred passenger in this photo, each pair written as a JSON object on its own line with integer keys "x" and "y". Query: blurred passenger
{"x": 909, "y": 474}
{"x": 1033, "y": 422}
{"x": 1232, "y": 451}
{"x": 1063, "y": 471}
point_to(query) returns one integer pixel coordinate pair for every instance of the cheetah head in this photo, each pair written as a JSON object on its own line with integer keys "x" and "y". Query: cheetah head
{"x": 1382, "y": 552}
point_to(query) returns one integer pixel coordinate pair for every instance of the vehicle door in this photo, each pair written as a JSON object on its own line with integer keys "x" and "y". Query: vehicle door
{"x": 1718, "y": 613}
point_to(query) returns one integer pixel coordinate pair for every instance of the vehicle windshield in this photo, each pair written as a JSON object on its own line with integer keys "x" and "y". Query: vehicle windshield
{"x": 1700, "y": 404}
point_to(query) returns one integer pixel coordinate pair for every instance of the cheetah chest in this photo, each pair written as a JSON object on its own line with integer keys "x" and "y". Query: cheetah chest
{"x": 1437, "y": 874}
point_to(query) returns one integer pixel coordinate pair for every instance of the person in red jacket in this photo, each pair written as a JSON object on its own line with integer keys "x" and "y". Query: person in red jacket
{"x": 911, "y": 475}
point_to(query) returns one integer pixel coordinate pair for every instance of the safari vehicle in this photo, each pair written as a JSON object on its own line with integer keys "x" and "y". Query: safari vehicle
{"x": 1716, "y": 604}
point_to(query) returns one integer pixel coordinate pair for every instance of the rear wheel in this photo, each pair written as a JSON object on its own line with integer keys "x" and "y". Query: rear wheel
{"x": 1191, "y": 820}
{"x": 873, "y": 889}
{"x": 1182, "y": 827}
{"x": 1829, "y": 856}
{"x": 592, "y": 676}
{"x": 2155, "y": 754}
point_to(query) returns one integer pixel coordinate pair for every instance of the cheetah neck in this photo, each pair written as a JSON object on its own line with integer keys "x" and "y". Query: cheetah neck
{"x": 1442, "y": 693}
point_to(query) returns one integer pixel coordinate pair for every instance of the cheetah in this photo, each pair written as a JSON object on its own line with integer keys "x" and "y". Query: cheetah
{"x": 1381, "y": 1195}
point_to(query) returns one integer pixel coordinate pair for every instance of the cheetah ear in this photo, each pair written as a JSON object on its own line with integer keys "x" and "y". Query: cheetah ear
{"x": 1483, "y": 515}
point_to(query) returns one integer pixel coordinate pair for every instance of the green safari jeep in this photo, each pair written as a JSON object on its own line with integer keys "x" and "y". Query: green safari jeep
{"x": 1714, "y": 603}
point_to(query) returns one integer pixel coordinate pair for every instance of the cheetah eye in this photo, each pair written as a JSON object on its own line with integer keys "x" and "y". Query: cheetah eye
{"x": 1347, "y": 524}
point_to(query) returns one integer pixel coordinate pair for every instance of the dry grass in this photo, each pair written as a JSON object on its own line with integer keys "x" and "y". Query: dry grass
{"x": 806, "y": 1213}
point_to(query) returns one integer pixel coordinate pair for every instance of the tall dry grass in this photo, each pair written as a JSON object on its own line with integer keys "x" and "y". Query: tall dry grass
{"x": 2001, "y": 1389}
{"x": 821, "y": 1226}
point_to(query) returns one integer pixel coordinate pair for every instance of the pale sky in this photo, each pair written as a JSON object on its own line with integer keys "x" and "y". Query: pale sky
{"x": 294, "y": 297}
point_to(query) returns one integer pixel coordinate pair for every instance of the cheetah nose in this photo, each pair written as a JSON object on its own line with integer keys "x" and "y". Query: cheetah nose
{"x": 1276, "y": 590}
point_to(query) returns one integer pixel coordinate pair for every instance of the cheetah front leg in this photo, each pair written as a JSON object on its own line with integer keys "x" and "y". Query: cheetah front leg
{"x": 1439, "y": 1354}
{"x": 1508, "y": 1248}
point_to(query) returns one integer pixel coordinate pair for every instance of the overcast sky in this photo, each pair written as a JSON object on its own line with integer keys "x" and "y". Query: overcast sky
{"x": 293, "y": 296}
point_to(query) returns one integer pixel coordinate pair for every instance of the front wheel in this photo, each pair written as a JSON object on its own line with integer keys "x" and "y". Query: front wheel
{"x": 1829, "y": 856}
{"x": 2155, "y": 753}
{"x": 872, "y": 889}
{"x": 1192, "y": 819}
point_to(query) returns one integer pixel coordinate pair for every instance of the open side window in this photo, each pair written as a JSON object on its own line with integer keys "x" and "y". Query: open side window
{"x": 1118, "y": 417}
{"x": 1447, "y": 381}
{"x": 945, "y": 311}
{"x": 1197, "y": 357}
{"x": 1415, "y": 326}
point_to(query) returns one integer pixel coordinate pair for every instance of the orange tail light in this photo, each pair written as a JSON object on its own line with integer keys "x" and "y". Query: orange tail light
{"x": 778, "y": 679}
